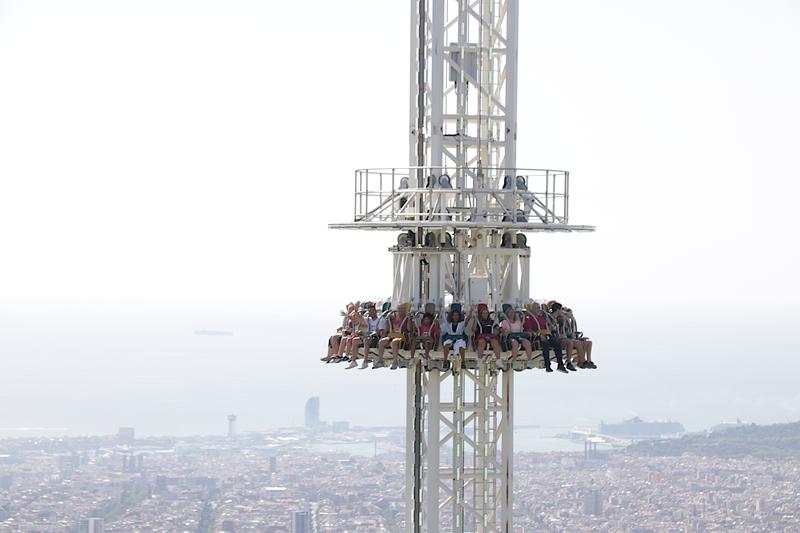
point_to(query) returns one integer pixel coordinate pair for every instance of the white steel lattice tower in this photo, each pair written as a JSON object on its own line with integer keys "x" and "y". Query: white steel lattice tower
{"x": 462, "y": 209}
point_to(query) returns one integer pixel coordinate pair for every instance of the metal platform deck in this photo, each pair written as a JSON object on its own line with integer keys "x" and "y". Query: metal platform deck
{"x": 437, "y": 224}
{"x": 471, "y": 362}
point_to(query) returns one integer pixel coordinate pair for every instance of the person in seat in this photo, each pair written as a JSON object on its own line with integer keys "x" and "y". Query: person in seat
{"x": 559, "y": 328}
{"x": 360, "y": 335}
{"x": 377, "y": 329}
{"x": 544, "y": 331}
{"x": 336, "y": 340}
{"x": 512, "y": 330}
{"x": 582, "y": 344}
{"x": 530, "y": 326}
{"x": 453, "y": 336}
{"x": 399, "y": 330}
{"x": 485, "y": 330}
{"x": 425, "y": 336}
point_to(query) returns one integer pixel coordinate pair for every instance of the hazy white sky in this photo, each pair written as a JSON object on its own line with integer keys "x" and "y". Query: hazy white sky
{"x": 195, "y": 150}
{"x": 189, "y": 154}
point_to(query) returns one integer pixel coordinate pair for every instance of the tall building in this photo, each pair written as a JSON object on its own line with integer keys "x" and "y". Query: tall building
{"x": 312, "y": 412}
{"x": 301, "y": 522}
{"x": 96, "y": 525}
{"x": 231, "y": 426}
{"x": 340, "y": 426}
{"x": 593, "y": 503}
{"x": 126, "y": 435}
{"x": 92, "y": 525}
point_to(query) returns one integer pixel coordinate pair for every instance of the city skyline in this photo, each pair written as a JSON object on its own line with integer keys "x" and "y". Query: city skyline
{"x": 274, "y": 482}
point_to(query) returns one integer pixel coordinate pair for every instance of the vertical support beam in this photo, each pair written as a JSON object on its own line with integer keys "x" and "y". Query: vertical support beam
{"x": 414, "y": 276}
{"x": 411, "y": 445}
{"x": 397, "y": 263}
{"x": 414, "y": 448}
{"x": 432, "y": 452}
{"x": 511, "y": 280}
{"x": 525, "y": 277}
{"x": 437, "y": 75}
{"x": 506, "y": 477}
{"x": 413, "y": 78}
{"x": 485, "y": 76}
{"x": 458, "y": 453}
{"x": 482, "y": 443}
{"x": 436, "y": 279}
{"x": 462, "y": 95}
{"x": 512, "y": 69}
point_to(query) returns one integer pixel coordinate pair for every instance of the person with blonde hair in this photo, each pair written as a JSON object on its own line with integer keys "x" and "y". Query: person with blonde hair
{"x": 360, "y": 334}
{"x": 337, "y": 340}
{"x": 399, "y": 329}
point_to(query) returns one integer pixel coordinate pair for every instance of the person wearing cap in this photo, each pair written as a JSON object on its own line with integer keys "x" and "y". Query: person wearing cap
{"x": 453, "y": 336}
{"x": 511, "y": 329}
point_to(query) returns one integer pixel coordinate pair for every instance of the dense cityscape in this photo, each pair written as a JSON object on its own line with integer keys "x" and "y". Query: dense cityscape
{"x": 283, "y": 481}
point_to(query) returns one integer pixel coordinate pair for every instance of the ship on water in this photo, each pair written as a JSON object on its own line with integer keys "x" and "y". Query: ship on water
{"x": 213, "y": 333}
{"x": 636, "y": 428}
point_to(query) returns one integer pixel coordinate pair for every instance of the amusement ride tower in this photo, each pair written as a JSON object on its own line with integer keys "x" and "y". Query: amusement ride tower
{"x": 461, "y": 209}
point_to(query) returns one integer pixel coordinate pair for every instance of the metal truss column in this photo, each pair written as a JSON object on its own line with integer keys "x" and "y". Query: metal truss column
{"x": 507, "y": 452}
{"x": 512, "y": 68}
{"x": 432, "y": 452}
{"x": 458, "y": 453}
{"x": 476, "y": 485}
{"x": 437, "y": 75}
{"x": 482, "y": 468}
{"x": 415, "y": 442}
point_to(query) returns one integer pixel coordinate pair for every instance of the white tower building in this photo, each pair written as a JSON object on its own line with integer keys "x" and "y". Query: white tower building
{"x": 462, "y": 209}
{"x": 232, "y": 426}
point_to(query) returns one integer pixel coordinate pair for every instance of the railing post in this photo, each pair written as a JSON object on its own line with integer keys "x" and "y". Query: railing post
{"x": 392, "y": 196}
{"x": 555, "y": 193}
{"x": 547, "y": 195}
{"x": 566, "y": 197}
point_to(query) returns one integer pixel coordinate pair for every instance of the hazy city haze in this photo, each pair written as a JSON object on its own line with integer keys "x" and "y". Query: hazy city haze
{"x": 167, "y": 167}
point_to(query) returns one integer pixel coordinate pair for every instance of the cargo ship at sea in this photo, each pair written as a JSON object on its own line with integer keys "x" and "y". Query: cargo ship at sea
{"x": 636, "y": 428}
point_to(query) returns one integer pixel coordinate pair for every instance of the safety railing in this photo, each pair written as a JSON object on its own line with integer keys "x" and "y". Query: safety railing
{"x": 437, "y": 194}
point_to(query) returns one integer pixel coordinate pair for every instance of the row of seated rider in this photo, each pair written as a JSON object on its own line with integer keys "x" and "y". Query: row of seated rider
{"x": 535, "y": 327}
{"x": 509, "y": 183}
{"x": 363, "y": 326}
{"x": 445, "y": 182}
{"x": 550, "y": 327}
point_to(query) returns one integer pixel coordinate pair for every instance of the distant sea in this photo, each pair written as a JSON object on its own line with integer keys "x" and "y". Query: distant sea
{"x": 527, "y": 439}
{"x": 89, "y": 370}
